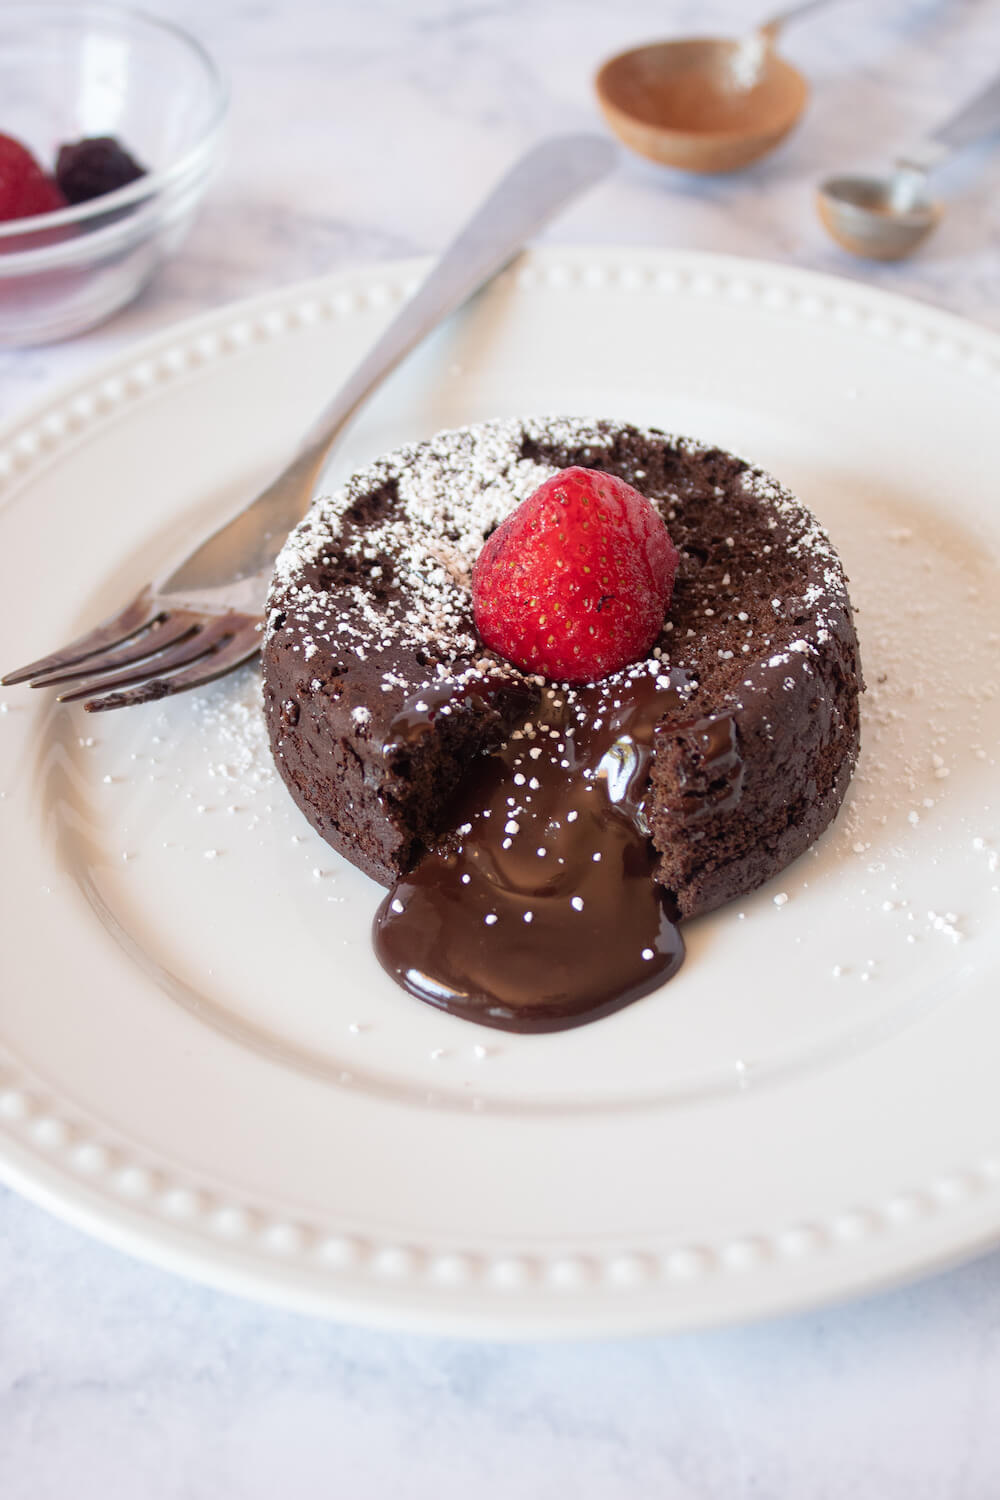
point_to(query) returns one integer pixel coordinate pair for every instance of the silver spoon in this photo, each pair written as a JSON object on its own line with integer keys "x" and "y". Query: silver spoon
{"x": 885, "y": 218}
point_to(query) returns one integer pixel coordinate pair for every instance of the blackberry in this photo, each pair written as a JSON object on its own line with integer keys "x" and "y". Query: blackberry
{"x": 90, "y": 168}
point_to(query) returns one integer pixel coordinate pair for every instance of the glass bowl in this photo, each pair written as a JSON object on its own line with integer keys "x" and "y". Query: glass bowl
{"x": 72, "y": 71}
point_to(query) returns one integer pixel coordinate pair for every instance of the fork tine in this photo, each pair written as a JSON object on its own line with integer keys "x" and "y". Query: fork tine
{"x": 232, "y": 651}
{"x": 204, "y": 636}
{"x": 169, "y": 629}
{"x": 142, "y": 612}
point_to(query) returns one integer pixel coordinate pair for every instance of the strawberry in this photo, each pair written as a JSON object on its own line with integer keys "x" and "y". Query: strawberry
{"x": 24, "y": 188}
{"x": 576, "y": 582}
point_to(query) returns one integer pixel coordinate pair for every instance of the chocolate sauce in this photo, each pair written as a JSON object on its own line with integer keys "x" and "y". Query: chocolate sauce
{"x": 417, "y": 715}
{"x": 538, "y": 910}
{"x": 710, "y": 781}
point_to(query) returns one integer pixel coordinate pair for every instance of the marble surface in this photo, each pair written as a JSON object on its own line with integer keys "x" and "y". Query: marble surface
{"x": 361, "y": 133}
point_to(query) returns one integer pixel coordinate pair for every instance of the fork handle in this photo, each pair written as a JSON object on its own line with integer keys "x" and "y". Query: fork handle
{"x": 540, "y": 184}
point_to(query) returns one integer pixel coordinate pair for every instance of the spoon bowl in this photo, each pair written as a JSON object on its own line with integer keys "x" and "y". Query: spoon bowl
{"x": 879, "y": 218}
{"x": 885, "y": 218}
{"x": 704, "y": 104}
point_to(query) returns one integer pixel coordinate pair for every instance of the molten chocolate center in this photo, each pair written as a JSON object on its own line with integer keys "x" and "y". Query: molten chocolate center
{"x": 538, "y": 910}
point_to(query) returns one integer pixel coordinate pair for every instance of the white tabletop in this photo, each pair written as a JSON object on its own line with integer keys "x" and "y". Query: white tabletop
{"x": 359, "y": 133}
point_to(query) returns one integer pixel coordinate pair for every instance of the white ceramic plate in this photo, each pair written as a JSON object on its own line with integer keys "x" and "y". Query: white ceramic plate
{"x": 202, "y": 1061}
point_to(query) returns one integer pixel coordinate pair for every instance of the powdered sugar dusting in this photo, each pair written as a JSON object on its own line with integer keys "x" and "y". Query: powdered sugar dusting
{"x": 449, "y": 494}
{"x": 398, "y": 585}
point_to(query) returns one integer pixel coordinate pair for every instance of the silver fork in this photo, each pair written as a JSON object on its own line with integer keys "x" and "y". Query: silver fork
{"x": 203, "y": 618}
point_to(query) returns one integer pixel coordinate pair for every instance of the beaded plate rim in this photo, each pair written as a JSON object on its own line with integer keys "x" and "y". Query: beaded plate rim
{"x": 91, "y": 1174}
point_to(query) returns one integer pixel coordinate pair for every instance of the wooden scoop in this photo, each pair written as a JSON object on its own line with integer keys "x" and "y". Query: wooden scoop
{"x": 708, "y": 104}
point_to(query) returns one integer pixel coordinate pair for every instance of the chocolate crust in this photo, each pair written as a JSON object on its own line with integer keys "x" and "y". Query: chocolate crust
{"x": 369, "y": 617}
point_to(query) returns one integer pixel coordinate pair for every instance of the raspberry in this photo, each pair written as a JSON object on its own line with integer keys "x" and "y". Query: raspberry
{"x": 24, "y": 188}
{"x": 575, "y": 583}
{"x": 90, "y": 168}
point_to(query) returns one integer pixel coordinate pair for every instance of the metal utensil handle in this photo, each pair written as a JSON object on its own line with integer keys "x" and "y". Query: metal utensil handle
{"x": 530, "y": 194}
{"x": 525, "y": 199}
{"x": 980, "y": 117}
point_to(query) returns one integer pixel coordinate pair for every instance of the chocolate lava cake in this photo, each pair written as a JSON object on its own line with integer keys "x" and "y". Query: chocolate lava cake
{"x": 379, "y": 696}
